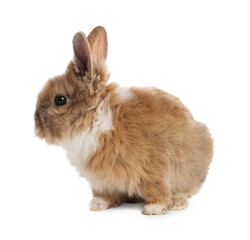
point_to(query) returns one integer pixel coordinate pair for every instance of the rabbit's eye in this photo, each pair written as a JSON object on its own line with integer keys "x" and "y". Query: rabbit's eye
{"x": 60, "y": 100}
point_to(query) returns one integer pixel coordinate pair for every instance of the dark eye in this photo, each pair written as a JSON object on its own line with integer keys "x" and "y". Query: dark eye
{"x": 60, "y": 100}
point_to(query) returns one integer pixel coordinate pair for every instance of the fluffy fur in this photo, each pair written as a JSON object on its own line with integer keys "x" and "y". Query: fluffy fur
{"x": 132, "y": 144}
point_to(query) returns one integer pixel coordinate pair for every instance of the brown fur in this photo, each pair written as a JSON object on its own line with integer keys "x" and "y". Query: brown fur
{"x": 155, "y": 151}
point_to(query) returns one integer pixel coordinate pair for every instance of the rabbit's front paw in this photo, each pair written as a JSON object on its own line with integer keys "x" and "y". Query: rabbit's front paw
{"x": 98, "y": 204}
{"x": 155, "y": 209}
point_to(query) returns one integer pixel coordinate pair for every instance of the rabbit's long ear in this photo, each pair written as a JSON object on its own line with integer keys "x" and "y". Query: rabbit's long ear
{"x": 83, "y": 59}
{"x": 98, "y": 44}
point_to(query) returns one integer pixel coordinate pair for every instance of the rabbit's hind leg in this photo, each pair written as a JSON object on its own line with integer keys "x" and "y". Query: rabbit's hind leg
{"x": 157, "y": 196}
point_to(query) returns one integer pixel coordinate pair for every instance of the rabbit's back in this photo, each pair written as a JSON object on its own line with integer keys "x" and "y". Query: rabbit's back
{"x": 159, "y": 132}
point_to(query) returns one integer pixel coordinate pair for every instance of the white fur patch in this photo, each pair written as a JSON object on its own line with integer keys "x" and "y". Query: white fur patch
{"x": 82, "y": 146}
{"x": 98, "y": 204}
{"x": 124, "y": 93}
{"x": 104, "y": 117}
{"x": 154, "y": 209}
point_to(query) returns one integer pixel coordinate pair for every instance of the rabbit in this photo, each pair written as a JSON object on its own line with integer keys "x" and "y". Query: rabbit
{"x": 131, "y": 144}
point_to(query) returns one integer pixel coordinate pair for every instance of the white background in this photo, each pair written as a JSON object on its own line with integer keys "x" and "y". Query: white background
{"x": 196, "y": 50}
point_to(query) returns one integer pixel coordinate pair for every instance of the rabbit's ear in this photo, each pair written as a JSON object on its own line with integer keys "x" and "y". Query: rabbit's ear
{"x": 98, "y": 44}
{"x": 83, "y": 59}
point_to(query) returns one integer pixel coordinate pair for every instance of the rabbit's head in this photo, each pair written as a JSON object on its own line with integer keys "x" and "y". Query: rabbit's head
{"x": 67, "y": 102}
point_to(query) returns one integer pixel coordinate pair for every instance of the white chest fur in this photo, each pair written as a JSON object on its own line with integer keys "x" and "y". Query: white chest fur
{"x": 80, "y": 148}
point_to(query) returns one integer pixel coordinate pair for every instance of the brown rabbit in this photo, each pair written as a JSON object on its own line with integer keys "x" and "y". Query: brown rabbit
{"x": 132, "y": 144}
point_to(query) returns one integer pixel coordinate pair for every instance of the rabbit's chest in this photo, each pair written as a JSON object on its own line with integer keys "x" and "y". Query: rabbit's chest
{"x": 82, "y": 146}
